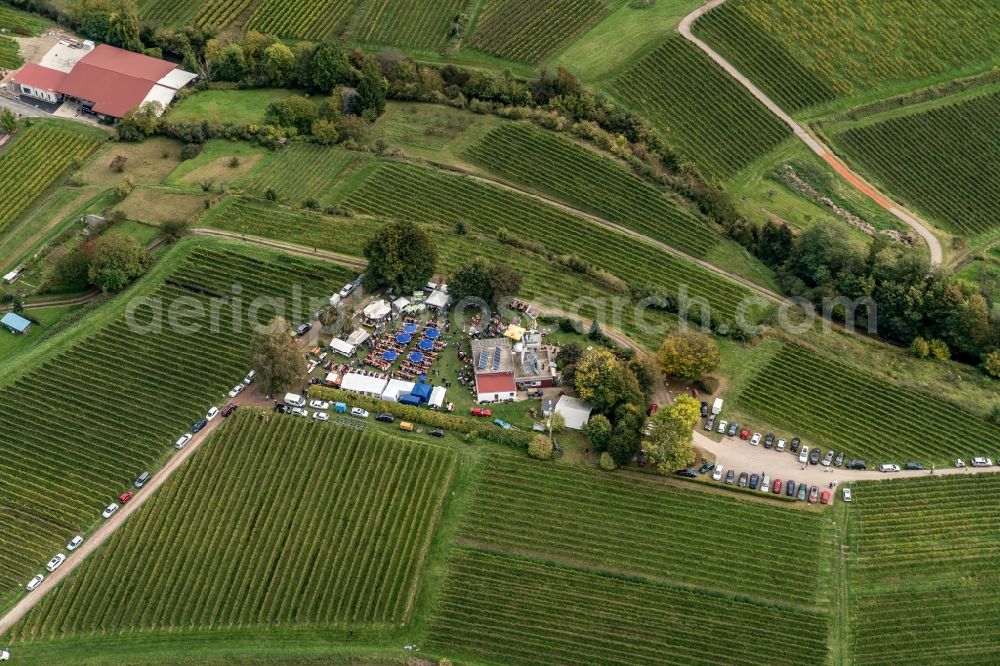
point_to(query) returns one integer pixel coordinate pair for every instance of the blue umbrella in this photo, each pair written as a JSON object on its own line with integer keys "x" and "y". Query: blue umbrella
{"x": 426, "y": 345}
{"x": 432, "y": 334}
{"x": 389, "y": 356}
{"x": 403, "y": 339}
{"x": 416, "y": 357}
{"x": 410, "y": 328}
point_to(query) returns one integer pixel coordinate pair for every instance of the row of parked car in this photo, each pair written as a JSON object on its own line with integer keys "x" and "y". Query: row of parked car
{"x": 295, "y": 404}
{"x": 813, "y": 456}
{"x": 141, "y": 480}
{"x": 762, "y": 482}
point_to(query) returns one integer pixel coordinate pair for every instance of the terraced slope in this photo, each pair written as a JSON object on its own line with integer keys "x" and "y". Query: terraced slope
{"x": 807, "y": 49}
{"x": 710, "y": 119}
{"x": 415, "y": 193}
{"x": 565, "y": 565}
{"x": 922, "y": 570}
{"x": 67, "y": 456}
{"x": 579, "y": 176}
{"x": 942, "y": 161}
{"x": 846, "y": 409}
{"x": 277, "y": 521}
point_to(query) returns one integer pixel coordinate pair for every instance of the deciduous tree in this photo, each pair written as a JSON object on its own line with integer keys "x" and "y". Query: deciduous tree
{"x": 669, "y": 446}
{"x": 401, "y": 255}
{"x": 276, "y": 358}
{"x": 688, "y": 355}
{"x": 115, "y": 260}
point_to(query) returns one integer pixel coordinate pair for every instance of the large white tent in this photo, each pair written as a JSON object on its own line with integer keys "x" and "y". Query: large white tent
{"x": 377, "y": 310}
{"x": 396, "y": 388}
{"x": 364, "y": 384}
{"x": 342, "y": 347}
{"x": 437, "y": 397}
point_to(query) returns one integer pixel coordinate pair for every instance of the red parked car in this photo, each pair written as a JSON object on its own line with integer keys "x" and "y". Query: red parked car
{"x": 745, "y": 434}
{"x": 125, "y": 497}
{"x": 776, "y": 487}
{"x": 652, "y": 409}
{"x": 228, "y": 409}
{"x": 825, "y": 499}
{"x": 481, "y": 411}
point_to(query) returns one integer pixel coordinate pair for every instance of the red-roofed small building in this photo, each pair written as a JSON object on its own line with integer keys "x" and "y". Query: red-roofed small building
{"x": 494, "y": 369}
{"x": 107, "y": 81}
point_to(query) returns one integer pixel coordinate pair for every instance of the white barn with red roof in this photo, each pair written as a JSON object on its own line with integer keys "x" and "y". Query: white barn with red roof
{"x": 107, "y": 81}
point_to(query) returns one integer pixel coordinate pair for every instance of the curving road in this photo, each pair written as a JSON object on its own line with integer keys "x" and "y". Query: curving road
{"x": 856, "y": 181}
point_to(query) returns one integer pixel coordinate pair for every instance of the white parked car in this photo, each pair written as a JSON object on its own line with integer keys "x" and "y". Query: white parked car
{"x": 321, "y": 416}
{"x": 55, "y": 562}
{"x": 781, "y": 446}
{"x": 360, "y": 413}
{"x": 212, "y": 413}
{"x": 74, "y": 543}
{"x": 765, "y": 484}
{"x": 298, "y": 411}
{"x": 249, "y": 378}
{"x": 34, "y": 582}
{"x": 888, "y": 468}
{"x": 4, "y": 655}
{"x": 182, "y": 442}
{"x": 803, "y": 455}
{"x": 717, "y": 474}
{"x": 959, "y": 463}
{"x": 319, "y": 404}
{"x": 982, "y": 462}
{"x": 755, "y": 440}
{"x": 110, "y": 511}
{"x": 346, "y": 291}
{"x": 847, "y": 494}
{"x": 236, "y": 390}
{"x": 723, "y": 425}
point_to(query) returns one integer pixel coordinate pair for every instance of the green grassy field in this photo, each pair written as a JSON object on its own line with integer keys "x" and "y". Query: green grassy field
{"x": 562, "y": 565}
{"x": 337, "y": 538}
{"x": 847, "y": 409}
{"x": 938, "y": 161}
{"x": 424, "y": 195}
{"x": 71, "y": 455}
{"x": 38, "y": 157}
{"x": 582, "y": 177}
{"x": 807, "y": 53}
{"x": 227, "y": 106}
{"x": 711, "y": 120}
{"x": 921, "y": 564}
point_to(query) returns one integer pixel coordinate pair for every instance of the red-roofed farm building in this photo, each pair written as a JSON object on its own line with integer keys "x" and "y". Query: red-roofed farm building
{"x": 107, "y": 81}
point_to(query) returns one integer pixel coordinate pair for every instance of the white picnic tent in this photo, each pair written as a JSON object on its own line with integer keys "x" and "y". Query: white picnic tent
{"x": 343, "y": 347}
{"x": 396, "y": 388}
{"x": 377, "y": 310}
{"x": 575, "y": 411}
{"x": 363, "y": 384}
{"x": 437, "y": 397}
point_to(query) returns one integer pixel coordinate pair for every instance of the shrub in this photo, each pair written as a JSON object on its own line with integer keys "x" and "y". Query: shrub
{"x": 234, "y": 162}
{"x": 607, "y": 463}
{"x": 540, "y": 448}
{"x": 920, "y": 348}
{"x": 191, "y": 151}
{"x": 991, "y": 364}
{"x": 939, "y": 349}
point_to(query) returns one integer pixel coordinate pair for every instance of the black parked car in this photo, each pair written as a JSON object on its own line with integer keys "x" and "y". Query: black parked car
{"x": 704, "y": 409}
{"x": 754, "y": 479}
{"x": 385, "y": 417}
{"x": 795, "y": 444}
{"x": 710, "y": 423}
{"x": 913, "y": 466}
{"x": 730, "y": 477}
{"x": 839, "y": 460}
{"x": 790, "y": 489}
{"x": 769, "y": 440}
{"x": 856, "y": 464}
{"x": 733, "y": 429}
{"x": 743, "y": 480}
{"x": 814, "y": 456}
{"x": 280, "y": 407}
{"x": 303, "y": 329}
{"x": 436, "y": 432}
{"x": 199, "y": 425}
{"x": 687, "y": 473}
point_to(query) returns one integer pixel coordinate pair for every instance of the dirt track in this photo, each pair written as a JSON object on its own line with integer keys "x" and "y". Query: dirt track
{"x": 856, "y": 181}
